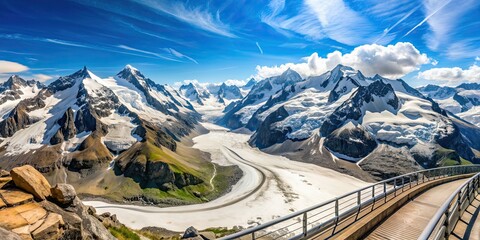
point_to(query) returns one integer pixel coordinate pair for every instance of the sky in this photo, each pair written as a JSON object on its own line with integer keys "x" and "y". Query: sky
{"x": 421, "y": 41}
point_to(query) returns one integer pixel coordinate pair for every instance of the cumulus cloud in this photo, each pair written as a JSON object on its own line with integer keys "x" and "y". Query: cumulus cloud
{"x": 452, "y": 76}
{"x": 42, "y": 77}
{"x": 392, "y": 61}
{"x": 11, "y": 67}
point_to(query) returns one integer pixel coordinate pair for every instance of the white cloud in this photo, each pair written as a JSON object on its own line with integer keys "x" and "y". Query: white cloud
{"x": 42, "y": 77}
{"x": 236, "y": 82}
{"x": 146, "y": 52}
{"x": 452, "y": 76}
{"x": 464, "y": 48}
{"x": 317, "y": 19}
{"x": 196, "y": 16}
{"x": 393, "y": 61}
{"x": 180, "y": 55}
{"x": 11, "y": 67}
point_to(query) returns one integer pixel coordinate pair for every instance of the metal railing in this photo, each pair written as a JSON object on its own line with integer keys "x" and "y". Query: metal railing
{"x": 443, "y": 222}
{"x": 332, "y": 215}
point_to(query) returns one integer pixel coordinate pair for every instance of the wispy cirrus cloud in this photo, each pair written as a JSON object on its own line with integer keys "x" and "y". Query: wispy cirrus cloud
{"x": 128, "y": 48}
{"x": 404, "y": 17}
{"x": 180, "y": 55}
{"x": 259, "y": 48}
{"x": 442, "y": 18}
{"x": 465, "y": 48}
{"x": 199, "y": 17}
{"x": 318, "y": 19}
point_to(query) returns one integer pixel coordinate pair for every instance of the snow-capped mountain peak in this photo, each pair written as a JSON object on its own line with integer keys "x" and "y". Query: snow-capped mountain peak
{"x": 288, "y": 77}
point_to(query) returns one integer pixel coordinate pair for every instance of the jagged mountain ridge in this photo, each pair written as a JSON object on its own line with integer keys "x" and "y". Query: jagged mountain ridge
{"x": 202, "y": 94}
{"x": 353, "y": 117}
{"x": 82, "y": 125}
{"x": 462, "y": 100}
{"x": 240, "y": 112}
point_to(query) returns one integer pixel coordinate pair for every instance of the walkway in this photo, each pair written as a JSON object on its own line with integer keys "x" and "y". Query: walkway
{"x": 410, "y": 220}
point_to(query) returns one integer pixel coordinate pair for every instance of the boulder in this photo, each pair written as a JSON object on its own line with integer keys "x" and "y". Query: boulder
{"x": 5, "y": 182}
{"x": 50, "y": 228}
{"x": 4, "y": 173}
{"x": 15, "y": 197}
{"x": 29, "y": 179}
{"x": 63, "y": 193}
{"x": 192, "y": 234}
{"x": 7, "y": 235}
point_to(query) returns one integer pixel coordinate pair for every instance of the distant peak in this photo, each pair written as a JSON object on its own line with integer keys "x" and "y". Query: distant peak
{"x": 84, "y": 73}
{"x": 130, "y": 67}
{"x": 341, "y": 67}
{"x": 289, "y": 71}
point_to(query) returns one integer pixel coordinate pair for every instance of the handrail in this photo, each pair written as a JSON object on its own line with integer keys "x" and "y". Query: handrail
{"x": 443, "y": 222}
{"x": 329, "y": 213}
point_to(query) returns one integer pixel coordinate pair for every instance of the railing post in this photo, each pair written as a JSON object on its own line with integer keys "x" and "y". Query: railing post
{"x": 305, "y": 224}
{"x": 253, "y": 235}
{"x": 459, "y": 203}
{"x": 403, "y": 183}
{"x": 385, "y": 191}
{"x": 373, "y": 191}
{"x": 410, "y": 181}
{"x": 395, "y": 188}
{"x": 359, "y": 198}
{"x": 447, "y": 231}
{"x": 336, "y": 208}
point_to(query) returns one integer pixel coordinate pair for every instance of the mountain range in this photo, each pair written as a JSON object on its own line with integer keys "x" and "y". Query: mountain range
{"x": 379, "y": 125}
{"x": 80, "y": 126}
{"x": 129, "y": 138}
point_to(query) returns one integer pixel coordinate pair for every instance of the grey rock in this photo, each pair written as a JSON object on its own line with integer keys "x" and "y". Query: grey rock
{"x": 8, "y": 235}
{"x": 63, "y": 193}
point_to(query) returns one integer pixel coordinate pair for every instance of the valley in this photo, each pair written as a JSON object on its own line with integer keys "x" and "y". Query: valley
{"x": 271, "y": 186}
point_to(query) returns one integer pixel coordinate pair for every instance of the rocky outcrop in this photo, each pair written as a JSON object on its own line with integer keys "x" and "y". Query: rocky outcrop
{"x": 193, "y": 234}
{"x": 29, "y": 179}
{"x": 22, "y": 217}
{"x": 67, "y": 128}
{"x": 267, "y": 134}
{"x": 352, "y": 109}
{"x": 18, "y": 118}
{"x": 152, "y": 173}
{"x": 353, "y": 142}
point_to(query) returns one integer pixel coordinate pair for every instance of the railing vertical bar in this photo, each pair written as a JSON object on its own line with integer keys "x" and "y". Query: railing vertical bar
{"x": 471, "y": 188}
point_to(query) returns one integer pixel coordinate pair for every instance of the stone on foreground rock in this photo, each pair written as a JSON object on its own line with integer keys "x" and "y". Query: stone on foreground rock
{"x": 8, "y": 235}
{"x": 4, "y": 173}
{"x": 29, "y": 179}
{"x": 50, "y": 228}
{"x": 63, "y": 193}
{"x": 24, "y": 217}
{"x": 15, "y": 197}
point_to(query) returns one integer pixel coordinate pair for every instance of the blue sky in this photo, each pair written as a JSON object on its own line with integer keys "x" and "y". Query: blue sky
{"x": 213, "y": 41}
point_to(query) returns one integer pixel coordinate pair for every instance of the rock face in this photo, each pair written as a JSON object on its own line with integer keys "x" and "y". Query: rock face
{"x": 353, "y": 142}
{"x": 7, "y": 235}
{"x": 266, "y": 135}
{"x": 22, "y": 217}
{"x": 63, "y": 193}
{"x": 67, "y": 128}
{"x": 29, "y": 179}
